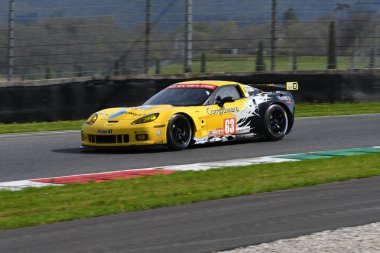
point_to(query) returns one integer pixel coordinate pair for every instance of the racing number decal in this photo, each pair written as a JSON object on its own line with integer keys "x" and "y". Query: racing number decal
{"x": 230, "y": 126}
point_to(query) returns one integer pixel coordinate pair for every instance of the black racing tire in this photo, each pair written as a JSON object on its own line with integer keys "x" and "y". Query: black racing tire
{"x": 276, "y": 122}
{"x": 179, "y": 132}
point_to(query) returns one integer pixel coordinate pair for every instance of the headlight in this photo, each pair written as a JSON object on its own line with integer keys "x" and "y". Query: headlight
{"x": 91, "y": 120}
{"x": 146, "y": 118}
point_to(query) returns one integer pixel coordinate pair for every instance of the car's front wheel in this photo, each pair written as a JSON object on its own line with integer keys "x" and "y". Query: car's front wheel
{"x": 276, "y": 122}
{"x": 179, "y": 132}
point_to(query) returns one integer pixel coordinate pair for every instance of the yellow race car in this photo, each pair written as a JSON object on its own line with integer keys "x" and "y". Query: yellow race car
{"x": 195, "y": 112}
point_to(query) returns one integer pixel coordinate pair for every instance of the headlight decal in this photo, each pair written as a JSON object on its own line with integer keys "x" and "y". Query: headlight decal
{"x": 146, "y": 118}
{"x": 91, "y": 120}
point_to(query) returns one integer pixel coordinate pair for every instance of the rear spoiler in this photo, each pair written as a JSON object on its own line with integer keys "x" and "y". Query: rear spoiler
{"x": 287, "y": 85}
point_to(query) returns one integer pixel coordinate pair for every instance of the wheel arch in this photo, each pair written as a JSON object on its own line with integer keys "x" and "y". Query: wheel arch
{"x": 193, "y": 126}
{"x": 289, "y": 114}
{"x": 172, "y": 142}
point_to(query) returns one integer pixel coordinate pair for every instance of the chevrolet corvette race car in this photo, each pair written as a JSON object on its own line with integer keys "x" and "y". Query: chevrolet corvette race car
{"x": 195, "y": 112}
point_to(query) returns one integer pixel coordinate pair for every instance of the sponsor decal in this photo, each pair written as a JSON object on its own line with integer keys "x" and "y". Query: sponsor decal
{"x": 242, "y": 130}
{"x": 133, "y": 114}
{"x": 217, "y": 132}
{"x": 201, "y": 140}
{"x": 104, "y": 131}
{"x": 159, "y": 133}
{"x": 291, "y": 85}
{"x": 144, "y": 107}
{"x": 141, "y": 132}
{"x": 284, "y": 98}
{"x": 192, "y": 86}
{"x": 230, "y": 126}
{"x": 215, "y": 139}
{"x": 222, "y": 111}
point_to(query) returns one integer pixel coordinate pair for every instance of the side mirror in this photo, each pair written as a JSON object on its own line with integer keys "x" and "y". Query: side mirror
{"x": 221, "y": 101}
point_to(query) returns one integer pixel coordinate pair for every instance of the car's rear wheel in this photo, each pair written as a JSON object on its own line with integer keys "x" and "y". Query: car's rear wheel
{"x": 276, "y": 122}
{"x": 179, "y": 132}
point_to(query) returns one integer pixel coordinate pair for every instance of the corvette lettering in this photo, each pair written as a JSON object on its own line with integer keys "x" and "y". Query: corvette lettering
{"x": 104, "y": 131}
{"x": 222, "y": 111}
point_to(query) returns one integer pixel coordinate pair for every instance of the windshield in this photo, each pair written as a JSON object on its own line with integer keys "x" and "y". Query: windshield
{"x": 180, "y": 97}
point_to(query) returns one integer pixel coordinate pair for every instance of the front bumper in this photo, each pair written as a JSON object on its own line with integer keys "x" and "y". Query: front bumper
{"x": 120, "y": 136}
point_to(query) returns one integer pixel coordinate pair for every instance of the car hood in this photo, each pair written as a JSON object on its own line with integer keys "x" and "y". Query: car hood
{"x": 130, "y": 113}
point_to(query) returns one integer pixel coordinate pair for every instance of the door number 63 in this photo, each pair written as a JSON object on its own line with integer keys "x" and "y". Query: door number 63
{"x": 230, "y": 126}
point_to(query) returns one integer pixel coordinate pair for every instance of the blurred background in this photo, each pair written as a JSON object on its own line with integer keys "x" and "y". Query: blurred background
{"x": 49, "y": 39}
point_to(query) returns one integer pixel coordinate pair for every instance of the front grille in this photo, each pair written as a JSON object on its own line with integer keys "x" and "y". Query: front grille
{"x": 108, "y": 139}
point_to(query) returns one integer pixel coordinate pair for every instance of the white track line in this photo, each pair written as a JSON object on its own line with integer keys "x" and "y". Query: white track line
{"x": 21, "y": 184}
{"x": 228, "y": 163}
{"x": 11, "y": 135}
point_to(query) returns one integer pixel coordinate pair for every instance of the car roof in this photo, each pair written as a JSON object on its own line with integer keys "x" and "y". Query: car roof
{"x": 209, "y": 82}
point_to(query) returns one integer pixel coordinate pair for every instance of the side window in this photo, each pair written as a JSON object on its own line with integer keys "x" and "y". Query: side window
{"x": 224, "y": 91}
{"x": 235, "y": 93}
{"x": 228, "y": 91}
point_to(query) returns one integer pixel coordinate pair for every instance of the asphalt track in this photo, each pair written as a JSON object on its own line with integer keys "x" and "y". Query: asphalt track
{"x": 29, "y": 156}
{"x": 201, "y": 227}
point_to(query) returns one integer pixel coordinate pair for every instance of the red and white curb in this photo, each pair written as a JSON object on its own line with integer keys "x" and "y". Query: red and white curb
{"x": 125, "y": 174}
{"x": 82, "y": 178}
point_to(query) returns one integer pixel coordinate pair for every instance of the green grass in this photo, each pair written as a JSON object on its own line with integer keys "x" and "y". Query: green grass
{"x": 54, "y": 204}
{"x": 40, "y": 126}
{"x": 246, "y": 63}
{"x": 302, "y": 110}
{"x": 309, "y": 110}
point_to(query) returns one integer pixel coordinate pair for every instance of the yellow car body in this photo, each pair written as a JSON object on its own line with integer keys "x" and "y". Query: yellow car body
{"x": 148, "y": 124}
